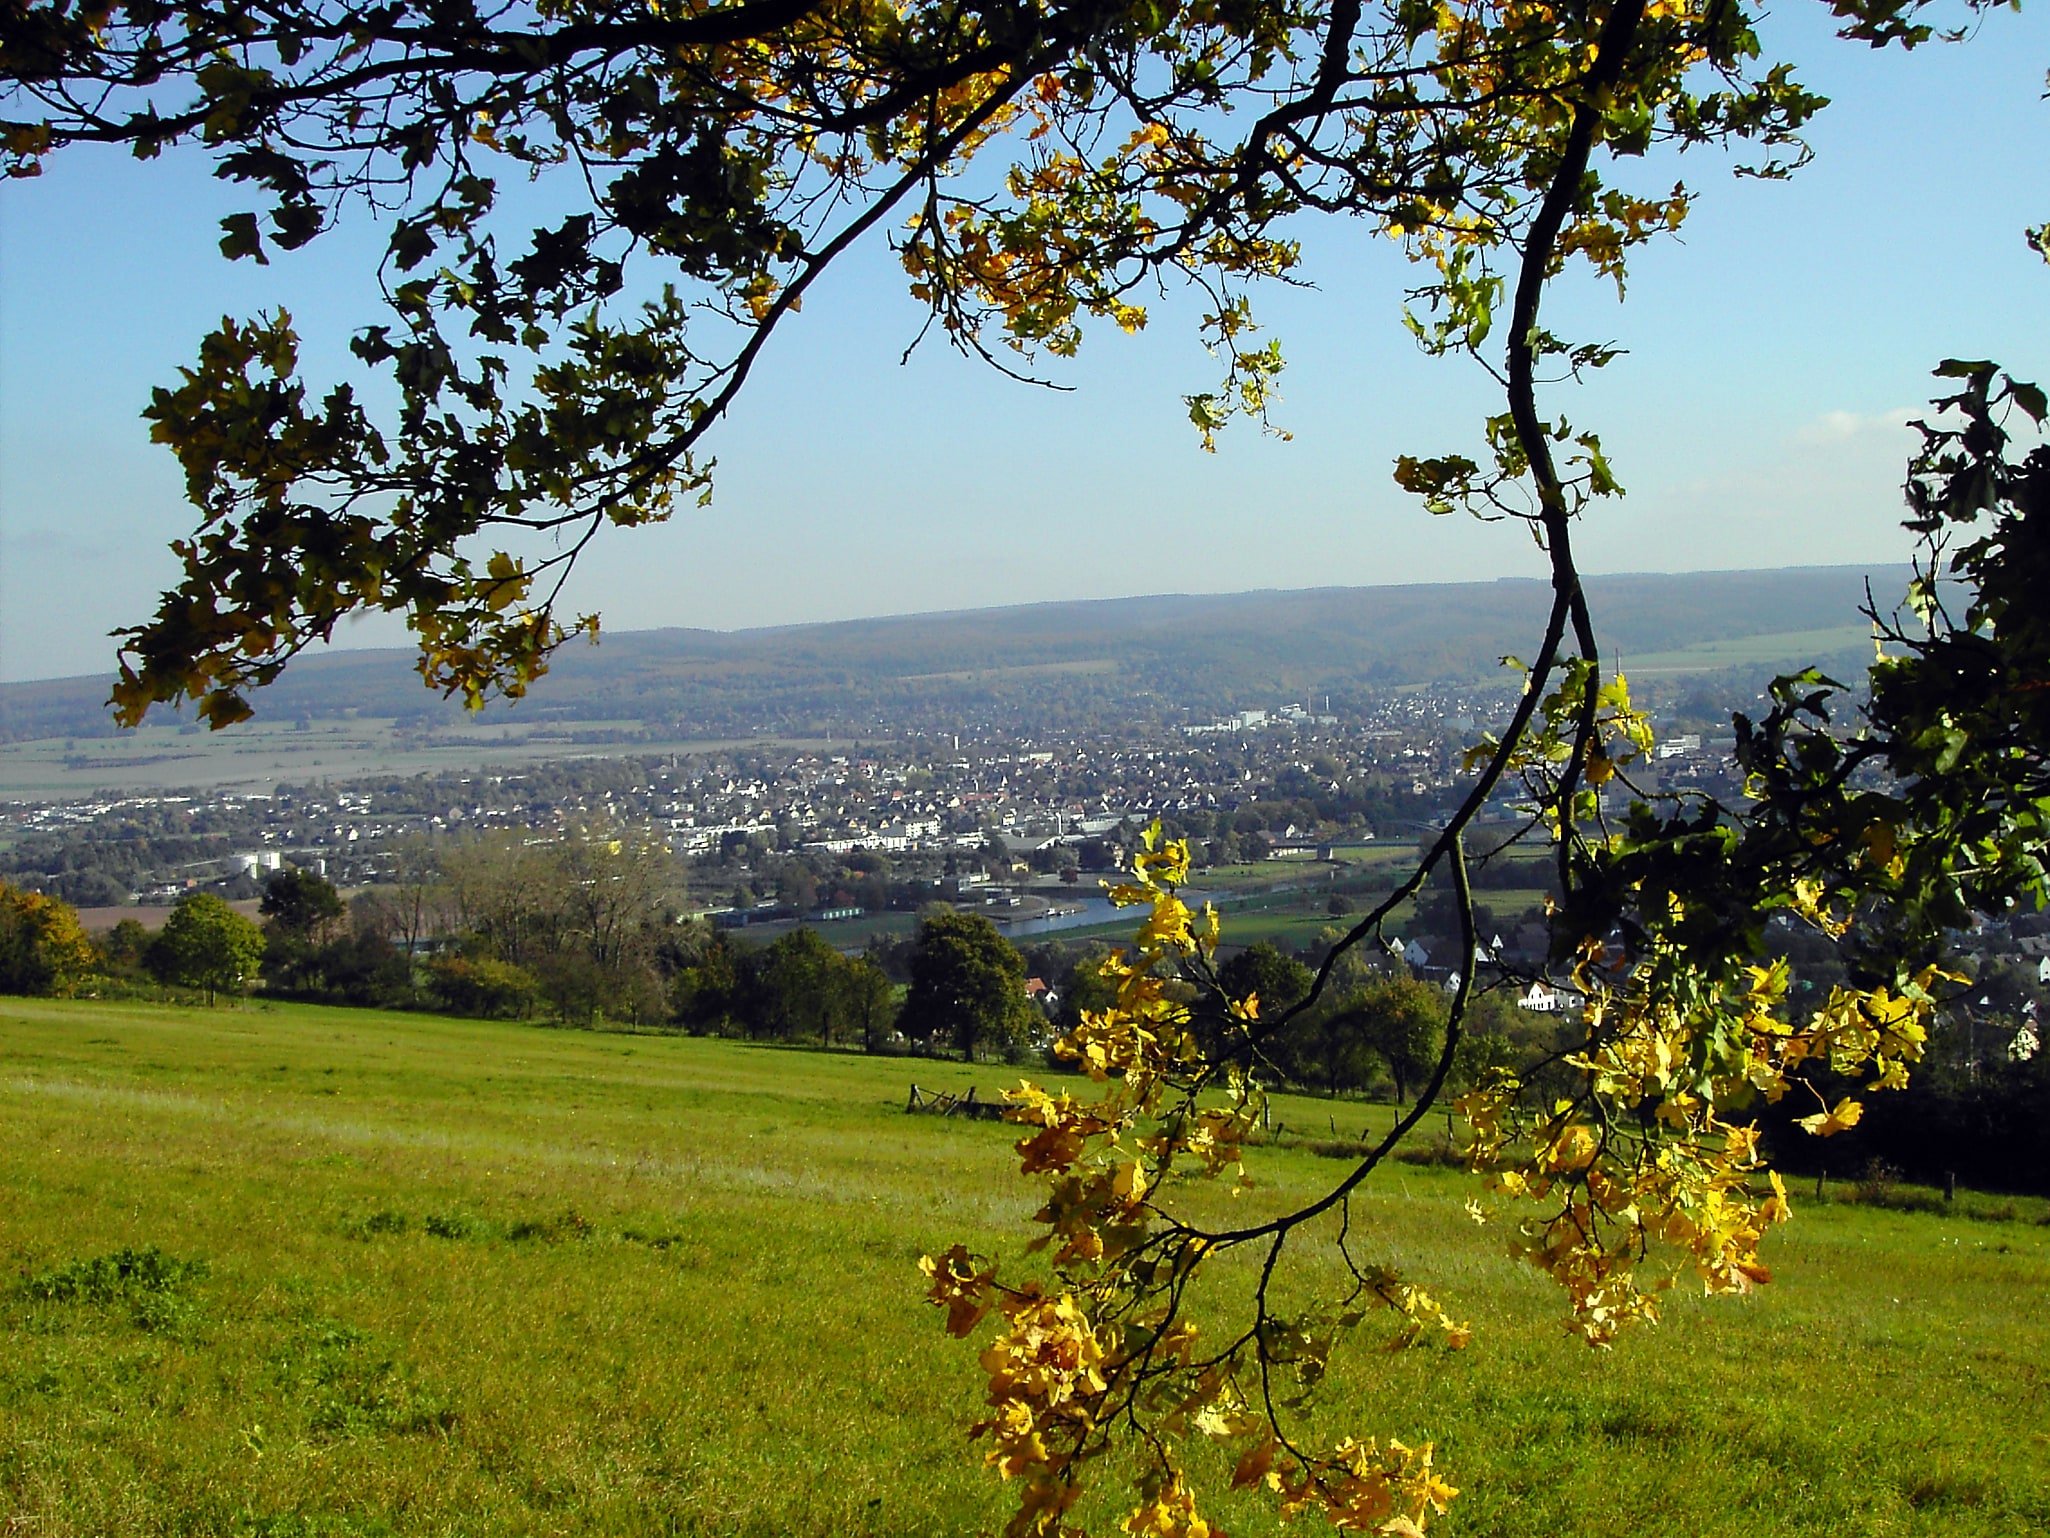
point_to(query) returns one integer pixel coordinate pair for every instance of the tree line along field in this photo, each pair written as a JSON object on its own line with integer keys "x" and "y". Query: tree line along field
{"x": 291, "y": 1270}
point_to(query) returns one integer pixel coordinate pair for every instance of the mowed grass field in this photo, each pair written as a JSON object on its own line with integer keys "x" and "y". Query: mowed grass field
{"x": 421, "y": 1276}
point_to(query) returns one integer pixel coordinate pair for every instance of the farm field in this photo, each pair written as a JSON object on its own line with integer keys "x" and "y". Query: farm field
{"x": 1789, "y": 649}
{"x": 257, "y": 755}
{"x": 422, "y": 1276}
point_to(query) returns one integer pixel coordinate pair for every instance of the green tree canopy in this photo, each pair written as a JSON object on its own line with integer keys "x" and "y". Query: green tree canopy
{"x": 301, "y": 903}
{"x": 1402, "y": 1019}
{"x": 127, "y": 943}
{"x": 707, "y": 992}
{"x": 803, "y": 987}
{"x": 1083, "y": 987}
{"x": 797, "y": 887}
{"x": 871, "y": 1002}
{"x": 967, "y": 985}
{"x": 1262, "y": 971}
{"x": 206, "y": 944}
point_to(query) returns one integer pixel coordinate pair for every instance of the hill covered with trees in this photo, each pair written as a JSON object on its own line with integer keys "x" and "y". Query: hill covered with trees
{"x": 1056, "y": 664}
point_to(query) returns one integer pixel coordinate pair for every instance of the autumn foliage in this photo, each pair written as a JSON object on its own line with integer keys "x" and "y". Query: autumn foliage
{"x": 1110, "y": 1336}
{"x": 42, "y": 948}
{"x": 1647, "y": 1171}
{"x": 1039, "y": 165}
{"x": 1634, "y": 1156}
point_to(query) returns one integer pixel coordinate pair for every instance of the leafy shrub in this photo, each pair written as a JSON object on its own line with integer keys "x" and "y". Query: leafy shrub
{"x": 483, "y": 987}
{"x": 152, "y": 1284}
{"x": 1899, "y": 1199}
{"x": 570, "y": 1225}
{"x": 382, "y": 1222}
{"x": 1880, "y": 1187}
{"x": 1336, "y": 1148}
{"x": 352, "y": 1389}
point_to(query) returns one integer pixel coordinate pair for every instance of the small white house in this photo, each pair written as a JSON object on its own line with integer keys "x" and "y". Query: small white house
{"x": 1548, "y": 999}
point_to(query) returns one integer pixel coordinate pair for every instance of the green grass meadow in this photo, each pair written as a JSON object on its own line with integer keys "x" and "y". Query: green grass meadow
{"x": 295, "y": 1271}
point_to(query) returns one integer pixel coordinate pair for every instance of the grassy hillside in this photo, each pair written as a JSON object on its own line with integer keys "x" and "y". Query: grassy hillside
{"x": 417, "y": 1276}
{"x": 1054, "y": 663}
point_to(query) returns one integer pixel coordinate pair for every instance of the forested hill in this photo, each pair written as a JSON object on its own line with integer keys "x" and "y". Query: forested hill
{"x": 1061, "y": 664}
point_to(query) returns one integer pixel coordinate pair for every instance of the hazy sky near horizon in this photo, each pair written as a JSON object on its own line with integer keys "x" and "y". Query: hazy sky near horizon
{"x": 1775, "y": 353}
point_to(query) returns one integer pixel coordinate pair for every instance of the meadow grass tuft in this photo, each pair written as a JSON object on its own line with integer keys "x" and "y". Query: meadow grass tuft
{"x": 294, "y": 1271}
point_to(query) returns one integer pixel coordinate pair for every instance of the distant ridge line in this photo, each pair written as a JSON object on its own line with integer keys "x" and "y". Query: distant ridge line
{"x": 1154, "y": 656}
{"x": 1591, "y": 580}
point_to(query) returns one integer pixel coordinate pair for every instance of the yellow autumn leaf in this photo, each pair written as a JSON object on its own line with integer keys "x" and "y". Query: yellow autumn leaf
{"x": 1839, "y": 1118}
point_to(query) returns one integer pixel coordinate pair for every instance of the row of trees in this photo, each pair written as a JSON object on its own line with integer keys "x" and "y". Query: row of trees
{"x": 959, "y": 985}
{"x": 797, "y": 989}
{"x": 204, "y": 945}
{"x": 1980, "y": 1109}
{"x": 574, "y": 926}
{"x": 575, "y": 930}
{"x": 583, "y": 928}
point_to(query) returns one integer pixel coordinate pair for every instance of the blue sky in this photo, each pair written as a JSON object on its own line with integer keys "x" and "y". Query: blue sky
{"x": 1774, "y": 353}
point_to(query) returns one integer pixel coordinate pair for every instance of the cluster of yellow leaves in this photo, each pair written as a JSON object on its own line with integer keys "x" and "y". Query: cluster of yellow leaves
{"x": 1044, "y": 1369}
{"x": 460, "y": 650}
{"x": 1107, "y": 1337}
{"x": 1362, "y": 1487}
{"x": 1646, "y": 1162}
{"x": 1058, "y": 248}
{"x": 1421, "y": 1313}
{"x": 1515, "y": 64}
{"x": 1872, "y": 1028}
{"x": 1622, "y": 221}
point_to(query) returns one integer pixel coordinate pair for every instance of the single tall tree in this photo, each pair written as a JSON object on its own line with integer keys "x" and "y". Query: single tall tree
{"x": 42, "y": 948}
{"x": 1402, "y": 1019}
{"x": 206, "y": 944}
{"x": 967, "y": 985}
{"x": 301, "y": 904}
